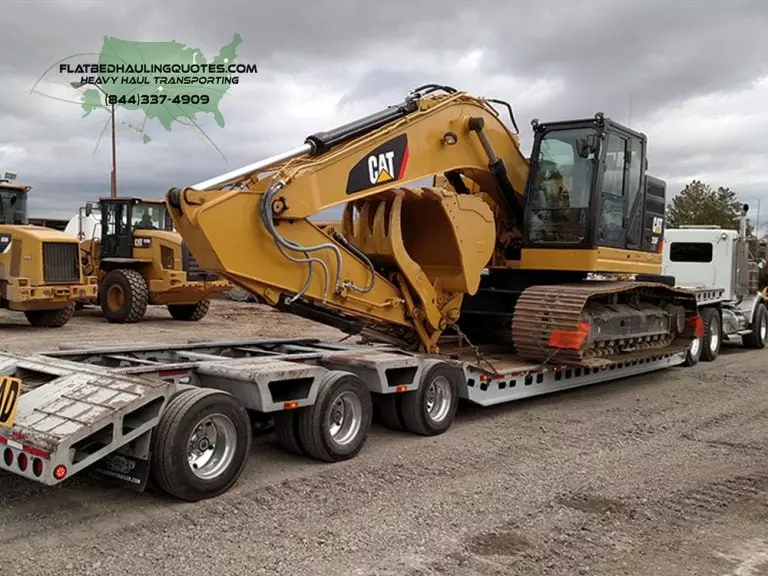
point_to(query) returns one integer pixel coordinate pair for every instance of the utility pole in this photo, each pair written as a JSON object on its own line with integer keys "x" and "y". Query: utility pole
{"x": 113, "y": 175}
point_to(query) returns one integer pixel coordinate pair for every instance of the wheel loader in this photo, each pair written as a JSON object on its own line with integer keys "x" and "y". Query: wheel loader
{"x": 40, "y": 270}
{"x": 140, "y": 260}
{"x": 497, "y": 255}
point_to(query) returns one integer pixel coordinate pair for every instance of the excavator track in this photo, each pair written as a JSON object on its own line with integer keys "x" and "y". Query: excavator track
{"x": 596, "y": 324}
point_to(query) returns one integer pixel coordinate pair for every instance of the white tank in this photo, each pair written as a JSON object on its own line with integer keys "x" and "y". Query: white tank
{"x": 84, "y": 227}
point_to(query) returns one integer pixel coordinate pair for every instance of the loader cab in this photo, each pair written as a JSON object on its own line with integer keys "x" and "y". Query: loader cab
{"x": 123, "y": 217}
{"x": 587, "y": 188}
{"x": 13, "y": 203}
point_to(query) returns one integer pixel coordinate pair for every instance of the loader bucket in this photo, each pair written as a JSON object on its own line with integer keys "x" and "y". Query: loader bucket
{"x": 429, "y": 234}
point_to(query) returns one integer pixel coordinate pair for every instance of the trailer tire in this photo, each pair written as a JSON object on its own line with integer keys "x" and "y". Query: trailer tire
{"x": 344, "y": 400}
{"x": 439, "y": 387}
{"x": 123, "y": 296}
{"x": 286, "y": 428}
{"x": 50, "y": 318}
{"x": 189, "y": 312}
{"x": 390, "y": 411}
{"x": 187, "y": 413}
{"x": 757, "y": 338}
{"x": 693, "y": 354}
{"x": 713, "y": 334}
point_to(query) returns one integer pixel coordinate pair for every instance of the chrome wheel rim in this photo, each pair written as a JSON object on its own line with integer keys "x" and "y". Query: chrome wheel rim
{"x": 714, "y": 336}
{"x": 345, "y": 418}
{"x": 211, "y": 446}
{"x": 695, "y": 347}
{"x": 438, "y": 399}
{"x": 763, "y": 328}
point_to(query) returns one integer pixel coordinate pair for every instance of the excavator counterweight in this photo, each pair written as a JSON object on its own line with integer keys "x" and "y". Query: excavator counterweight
{"x": 498, "y": 249}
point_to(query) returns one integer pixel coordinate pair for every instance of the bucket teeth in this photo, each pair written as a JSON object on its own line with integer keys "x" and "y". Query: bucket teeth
{"x": 596, "y": 324}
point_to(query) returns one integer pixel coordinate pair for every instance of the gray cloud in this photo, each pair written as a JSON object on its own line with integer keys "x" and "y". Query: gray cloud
{"x": 688, "y": 71}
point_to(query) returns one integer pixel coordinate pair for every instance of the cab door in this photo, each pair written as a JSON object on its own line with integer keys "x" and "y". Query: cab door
{"x": 612, "y": 204}
{"x": 116, "y": 241}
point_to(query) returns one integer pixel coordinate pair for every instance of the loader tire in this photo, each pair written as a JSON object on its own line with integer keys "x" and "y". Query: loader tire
{"x": 206, "y": 425}
{"x": 124, "y": 296}
{"x": 713, "y": 334}
{"x": 50, "y": 318}
{"x": 189, "y": 312}
{"x": 757, "y": 338}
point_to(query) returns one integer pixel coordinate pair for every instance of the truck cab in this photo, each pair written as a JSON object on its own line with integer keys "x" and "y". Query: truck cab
{"x": 716, "y": 264}
{"x": 708, "y": 257}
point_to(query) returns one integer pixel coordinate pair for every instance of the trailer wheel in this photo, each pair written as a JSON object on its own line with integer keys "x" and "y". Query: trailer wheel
{"x": 757, "y": 338}
{"x": 390, "y": 411}
{"x": 50, "y": 318}
{"x": 287, "y": 430}
{"x": 201, "y": 445}
{"x": 124, "y": 296}
{"x": 336, "y": 426}
{"x": 693, "y": 355}
{"x": 712, "y": 334}
{"x": 189, "y": 312}
{"x": 430, "y": 409}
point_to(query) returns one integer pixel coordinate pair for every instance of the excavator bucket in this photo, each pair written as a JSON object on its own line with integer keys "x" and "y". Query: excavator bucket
{"x": 433, "y": 237}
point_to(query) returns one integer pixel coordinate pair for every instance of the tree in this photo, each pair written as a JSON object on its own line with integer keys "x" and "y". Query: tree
{"x": 700, "y": 204}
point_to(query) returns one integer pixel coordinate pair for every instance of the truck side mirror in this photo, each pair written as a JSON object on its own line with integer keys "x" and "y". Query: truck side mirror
{"x": 88, "y": 209}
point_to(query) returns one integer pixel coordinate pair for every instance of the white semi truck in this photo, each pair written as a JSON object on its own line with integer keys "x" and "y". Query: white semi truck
{"x": 716, "y": 264}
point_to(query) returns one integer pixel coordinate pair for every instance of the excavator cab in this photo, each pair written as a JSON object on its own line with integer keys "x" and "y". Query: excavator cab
{"x": 587, "y": 189}
{"x": 122, "y": 216}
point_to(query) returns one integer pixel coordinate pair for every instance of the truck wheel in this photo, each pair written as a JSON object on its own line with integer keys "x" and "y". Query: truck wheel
{"x": 189, "y": 312}
{"x": 693, "y": 355}
{"x": 430, "y": 409}
{"x": 336, "y": 426}
{"x": 710, "y": 348}
{"x": 123, "y": 296}
{"x": 757, "y": 338}
{"x": 50, "y": 318}
{"x": 201, "y": 444}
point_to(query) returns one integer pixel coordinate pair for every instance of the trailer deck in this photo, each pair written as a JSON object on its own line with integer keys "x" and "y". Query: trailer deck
{"x": 97, "y": 408}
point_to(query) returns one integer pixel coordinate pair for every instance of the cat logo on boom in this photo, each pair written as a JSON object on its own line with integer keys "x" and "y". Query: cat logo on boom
{"x": 381, "y": 167}
{"x": 385, "y": 163}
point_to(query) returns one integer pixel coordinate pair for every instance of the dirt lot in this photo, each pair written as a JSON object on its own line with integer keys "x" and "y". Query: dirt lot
{"x": 659, "y": 474}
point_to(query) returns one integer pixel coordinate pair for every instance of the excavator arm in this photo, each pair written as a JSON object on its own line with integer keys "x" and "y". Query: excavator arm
{"x": 402, "y": 258}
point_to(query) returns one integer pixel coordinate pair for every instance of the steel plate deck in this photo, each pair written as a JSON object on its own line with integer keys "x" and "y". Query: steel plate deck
{"x": 73, "y": 414}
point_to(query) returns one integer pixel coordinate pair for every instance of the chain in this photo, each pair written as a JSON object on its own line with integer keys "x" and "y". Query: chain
{"x": 463, "y": 338}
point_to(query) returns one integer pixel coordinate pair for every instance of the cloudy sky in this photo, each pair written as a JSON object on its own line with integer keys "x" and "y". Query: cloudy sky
{"x": 692, "y": 74}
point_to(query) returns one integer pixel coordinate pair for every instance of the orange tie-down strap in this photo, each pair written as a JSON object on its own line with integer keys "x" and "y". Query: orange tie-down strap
{"x": 572, "y": 339}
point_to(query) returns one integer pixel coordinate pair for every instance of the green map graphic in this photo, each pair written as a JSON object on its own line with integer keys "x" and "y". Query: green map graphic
{"x": 142, "y": 91}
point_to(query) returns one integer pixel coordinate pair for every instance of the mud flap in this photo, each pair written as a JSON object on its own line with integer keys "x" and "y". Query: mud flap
{"x": 125, "y": 471}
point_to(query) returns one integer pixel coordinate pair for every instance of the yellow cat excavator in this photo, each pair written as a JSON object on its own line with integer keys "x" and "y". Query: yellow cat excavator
{"x": 498, "y": 251}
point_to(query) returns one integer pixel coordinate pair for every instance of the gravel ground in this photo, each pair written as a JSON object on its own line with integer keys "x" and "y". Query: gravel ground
{"x": 657, "y": 474}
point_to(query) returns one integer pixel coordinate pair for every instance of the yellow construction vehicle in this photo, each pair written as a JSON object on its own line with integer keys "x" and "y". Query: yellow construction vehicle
{"x": 40, "y": 271}
{"x": 495, "y": 253}
{"x": 140, "y": 260}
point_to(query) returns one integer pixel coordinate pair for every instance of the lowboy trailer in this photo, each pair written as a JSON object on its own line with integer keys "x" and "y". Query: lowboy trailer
{"x": 182, "y": 416}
